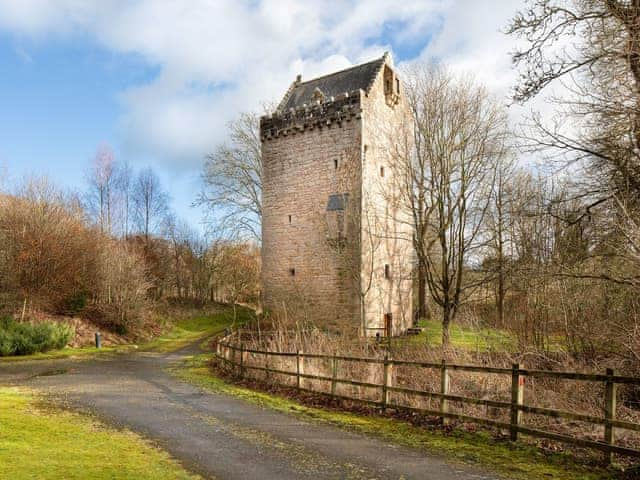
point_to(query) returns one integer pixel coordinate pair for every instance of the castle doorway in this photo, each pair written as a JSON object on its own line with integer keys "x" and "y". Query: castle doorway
{"x": 388, "y": 324}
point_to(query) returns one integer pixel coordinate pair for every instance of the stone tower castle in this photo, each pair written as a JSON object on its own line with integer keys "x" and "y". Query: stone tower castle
{"x": 336, "y": 248}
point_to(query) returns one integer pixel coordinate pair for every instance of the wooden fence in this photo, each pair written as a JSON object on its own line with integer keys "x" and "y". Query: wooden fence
{"x": 236, "y": 356}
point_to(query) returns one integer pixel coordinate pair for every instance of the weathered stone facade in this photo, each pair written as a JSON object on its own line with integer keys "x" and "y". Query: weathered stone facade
{"x": 336, "y": 249}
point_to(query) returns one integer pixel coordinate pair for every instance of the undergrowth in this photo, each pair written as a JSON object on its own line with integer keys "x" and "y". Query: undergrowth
{"x": 18, "y": 338}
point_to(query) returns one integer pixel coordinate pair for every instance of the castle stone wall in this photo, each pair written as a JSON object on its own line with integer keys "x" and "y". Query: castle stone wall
{"x": 299, "y": 175}
{"x": 387, "y": 235}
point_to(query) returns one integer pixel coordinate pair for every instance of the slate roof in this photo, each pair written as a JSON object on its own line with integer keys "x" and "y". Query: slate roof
{"x": 332, "y": 85}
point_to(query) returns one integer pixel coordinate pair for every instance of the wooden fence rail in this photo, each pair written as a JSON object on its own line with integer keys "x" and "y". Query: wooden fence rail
{"x": 229, "y": 353}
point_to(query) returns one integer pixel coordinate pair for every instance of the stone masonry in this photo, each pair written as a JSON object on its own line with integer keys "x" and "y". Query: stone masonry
{"x": 336, "y": 248}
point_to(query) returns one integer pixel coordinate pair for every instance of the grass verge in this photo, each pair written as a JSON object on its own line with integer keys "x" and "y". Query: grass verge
{"x": 41, "y": 441}
{"x": 517, "y": 461}
{"x": 187, "y": 331}
{"x": 181, "y": 333}
{"x": 68, "y": 352}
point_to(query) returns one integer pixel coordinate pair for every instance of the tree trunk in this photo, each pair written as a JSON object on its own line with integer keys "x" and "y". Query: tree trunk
{"x": 363, "y": 322}
{"x": 421, "y": 311}
{"x": 500, "y": 297}
{"x": 447, "y": 313}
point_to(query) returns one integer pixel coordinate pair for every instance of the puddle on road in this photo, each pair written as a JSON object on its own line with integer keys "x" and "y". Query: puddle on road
{"x": 50, "y": 373}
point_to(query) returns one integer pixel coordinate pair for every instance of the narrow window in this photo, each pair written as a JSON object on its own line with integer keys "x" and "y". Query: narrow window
{"x": 397, "y": 85}
{"x": 382, "y": 171}
{"x": 292, "y": 272}
{"x": 289, "y": 218}
{"x": 335, "y": 163}
{"x": 387, "y": 271}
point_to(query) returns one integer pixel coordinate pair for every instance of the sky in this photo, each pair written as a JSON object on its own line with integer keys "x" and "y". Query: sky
{"x": 158, "y": 80}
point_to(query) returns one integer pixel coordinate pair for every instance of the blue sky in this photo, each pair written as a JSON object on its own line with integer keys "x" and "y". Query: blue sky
{"x": 157, "y": 81}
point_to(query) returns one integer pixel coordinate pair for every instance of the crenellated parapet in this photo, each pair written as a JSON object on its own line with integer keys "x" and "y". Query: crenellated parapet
{"x": 321, "y": 113}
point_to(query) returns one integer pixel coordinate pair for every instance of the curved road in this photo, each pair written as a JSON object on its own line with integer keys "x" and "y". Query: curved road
{"x": 219, "y": 436}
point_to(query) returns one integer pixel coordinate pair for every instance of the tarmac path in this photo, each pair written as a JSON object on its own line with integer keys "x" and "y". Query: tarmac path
{"x": 217, "y": 435}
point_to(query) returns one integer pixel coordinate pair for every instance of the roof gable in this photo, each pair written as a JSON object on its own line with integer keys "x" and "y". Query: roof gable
{"x": 337, "y": 83}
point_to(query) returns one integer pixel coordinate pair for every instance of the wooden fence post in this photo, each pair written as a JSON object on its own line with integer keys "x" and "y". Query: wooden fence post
{"x": 234, "y": 361}
{"x": 517, "y": 398}
{"x": 267, "y": 367}
{"x": 444, "y": 390}
{"x": 299, "y": 369}
{"x": 385, "y": 382}
{"x": 609, "y": 413}
{"x": 334, "y": 375}
{"x": 242, "y": 360}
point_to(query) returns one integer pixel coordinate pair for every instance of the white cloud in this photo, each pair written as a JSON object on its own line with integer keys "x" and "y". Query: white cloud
{"x": 472, "y": 40}
{"x": 217, "y": 57}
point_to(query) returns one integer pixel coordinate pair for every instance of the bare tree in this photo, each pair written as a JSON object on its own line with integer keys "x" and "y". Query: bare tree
{"x": 354, "y": 232}
{"x": 232, "y": 178}
{"x": 101, "y": 196}
{"x": 499, "y": 257}
{"x": 592, "y": 49}
{"x": 124, "y": 184}
{"x": 150, "y": 201}
{"x": 448, "y": 176}
{"x": 240, "y": 270}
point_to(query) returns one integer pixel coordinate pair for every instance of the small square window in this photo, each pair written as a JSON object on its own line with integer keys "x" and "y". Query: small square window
{"x": 382, "y": 171}
{"x": 292, "y": 272}
{"x": 387, "y": 271}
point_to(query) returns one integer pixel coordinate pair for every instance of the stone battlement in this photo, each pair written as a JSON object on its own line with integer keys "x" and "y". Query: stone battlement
{"x": 319, "y": 114}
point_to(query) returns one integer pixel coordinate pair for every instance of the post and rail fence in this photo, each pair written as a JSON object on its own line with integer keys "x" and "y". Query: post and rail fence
{"x": 228, "y": 352}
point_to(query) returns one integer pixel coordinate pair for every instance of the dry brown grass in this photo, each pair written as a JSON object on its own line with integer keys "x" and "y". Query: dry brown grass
{"x": 573, "y": 396}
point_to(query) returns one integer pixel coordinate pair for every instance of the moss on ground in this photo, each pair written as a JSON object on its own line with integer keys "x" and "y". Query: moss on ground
{"x": 517, "y": 461}
{"x": 41, "y": 441}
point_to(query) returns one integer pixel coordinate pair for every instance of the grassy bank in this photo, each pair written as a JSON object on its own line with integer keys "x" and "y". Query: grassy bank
{"x": 463, "y": 337}
{"x": 179, "y": 333}
{"x": 518, "y": 461}
{"x": 186, "y": 331}
{"x": 40, "y": 441}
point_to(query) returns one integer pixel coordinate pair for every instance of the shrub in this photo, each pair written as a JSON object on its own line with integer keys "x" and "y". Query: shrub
{"x": 26, "y": 338}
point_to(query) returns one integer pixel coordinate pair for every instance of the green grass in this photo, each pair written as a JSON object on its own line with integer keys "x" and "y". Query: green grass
{"x": 189, "y": 330}
{"x": 71, "y": 352}
{"x": 478, "y": 339}
{"x": 518, "y": 461}
{"x": 40, "y": 441}
{"x": 181, "y": 333}
{"x": 467, "y": 338}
